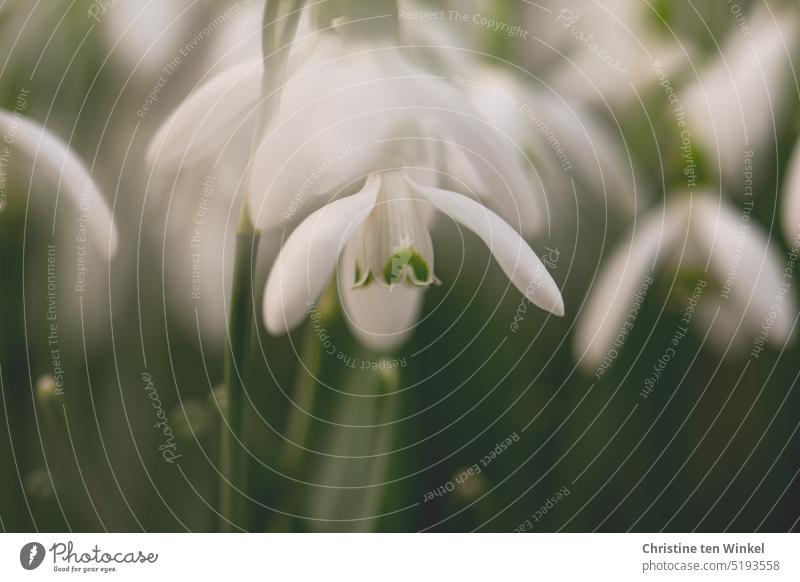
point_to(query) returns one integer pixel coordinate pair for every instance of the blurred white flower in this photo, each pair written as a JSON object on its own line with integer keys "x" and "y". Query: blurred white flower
{"x": 200, "y": 196}
{"x": 700, "y": 236}
{"x": 738, "y": 100}
{"x": 61, "y": 191}
{"x": 563, "y": 139}
{"x": 49, "y": 155}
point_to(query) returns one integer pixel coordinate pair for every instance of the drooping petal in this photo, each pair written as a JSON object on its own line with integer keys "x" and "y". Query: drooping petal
{"x": 604, "y": 51}
{"x": 207, "y": 118}
{"x": 515, "y": 257}
{"x": 624, "y": 281}
{"x": 735, "y": 104}
{"x": 51, "y": 155}
{"x": 493, "y": 167}
{"x": 308, "y": 258}
{"x": 381, "y": 318}
{"x": 744, "y": 263}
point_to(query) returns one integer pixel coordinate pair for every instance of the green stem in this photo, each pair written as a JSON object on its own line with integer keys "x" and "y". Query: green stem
{"x": 303, "y": 397}
{"x": 305, "y": 386}
{"x": 237, "y": 359}
{"x": 241, "y": 313}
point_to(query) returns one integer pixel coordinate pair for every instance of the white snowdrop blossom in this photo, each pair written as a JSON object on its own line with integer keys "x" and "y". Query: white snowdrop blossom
{"x": 365, "y": 138}
{"x": 709, "y": 241}
{"x": 734, "y": 105}
{"x": 52, "y": 157}
{"x": 600, "y": 53}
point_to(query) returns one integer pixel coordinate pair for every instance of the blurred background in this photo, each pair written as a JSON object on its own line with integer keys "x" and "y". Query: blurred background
{"x": 498, "y": 417}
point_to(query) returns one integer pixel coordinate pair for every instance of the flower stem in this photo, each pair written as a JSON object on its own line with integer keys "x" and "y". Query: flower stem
{"x": 306, "y": 384}
{"x": 303, "y": 396}
{"x": 237, "y": 359}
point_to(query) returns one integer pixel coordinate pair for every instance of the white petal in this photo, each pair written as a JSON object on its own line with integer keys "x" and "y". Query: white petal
{"x": 623, "y": 278}
{"x": 745, "y": 264}
{"x": 355, "y": 110}
{"x": 208, "y": 117}
{"x": 51, "y": 155}
{"x": 380, "y": 318}
{"x": 488, "y": 155}
{"x": 240, "y": 39}
{"x": 734, "y": 106}
{"x": 308, "y": 258}
{"x": 493, "y": 167}
{"x": 791, "y": 200}
{"x": 485, "y": 146}
{"x": 338, "y": 117}
{"x": 147, "y": 35}
{"x": 624, "y": 69}
{"x": 515, "y": 257}
{"x": 596, "y": 155}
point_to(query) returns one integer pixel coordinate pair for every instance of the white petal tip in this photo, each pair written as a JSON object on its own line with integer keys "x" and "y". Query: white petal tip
{"x": 113, "y": 244}
{"x": 273, "y": 311}
{"x": 546, "y": 295}
{"x": 274, "y": 322}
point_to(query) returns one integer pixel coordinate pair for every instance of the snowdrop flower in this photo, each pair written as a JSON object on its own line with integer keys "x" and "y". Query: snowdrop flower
{"x": 739, "y": 97}
{"x": 357, "y": 111}
{"x": 743, "y": 273}
{"x": 50, "y": 155}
